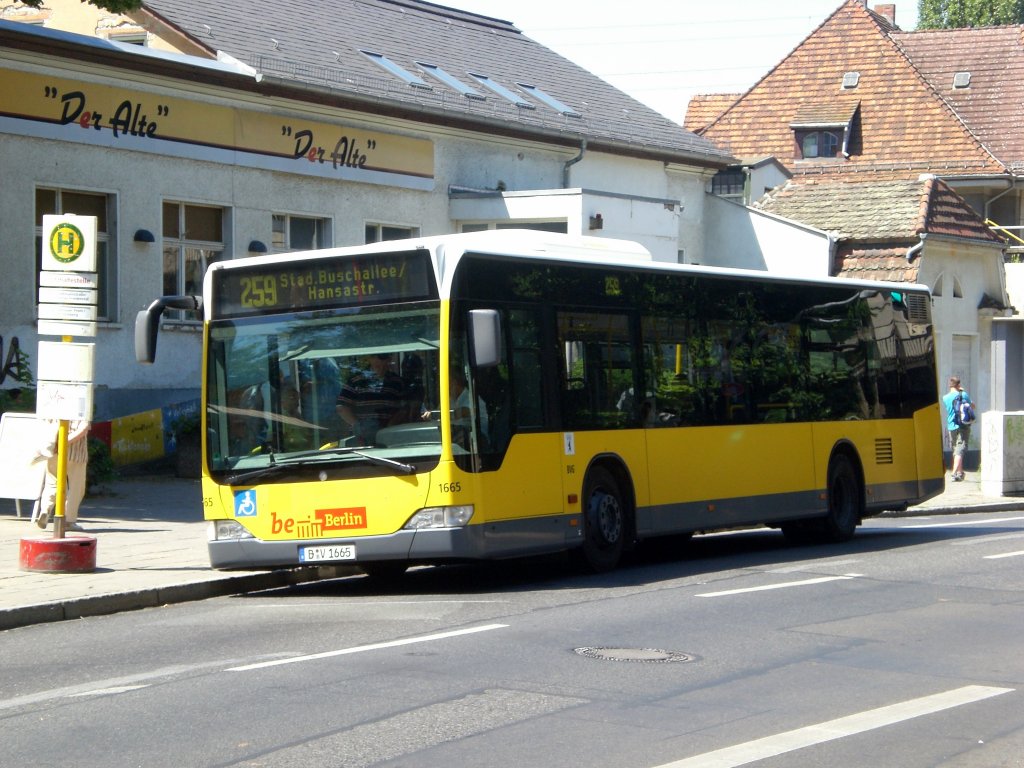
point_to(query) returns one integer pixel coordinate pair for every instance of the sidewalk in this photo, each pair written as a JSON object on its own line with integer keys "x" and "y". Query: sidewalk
{"x": 151, "y": 550}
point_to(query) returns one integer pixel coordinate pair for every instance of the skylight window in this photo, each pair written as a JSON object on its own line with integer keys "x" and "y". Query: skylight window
{"x": 962, "y": 80}
{"x": 404, "y": 75}
{"x": 550, "y": 100}
{"x": 451, "y": 81}
{"x": 502, "y": 91}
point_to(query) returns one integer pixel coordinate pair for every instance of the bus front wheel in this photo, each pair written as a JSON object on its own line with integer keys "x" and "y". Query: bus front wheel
{"x": 605, "y": 522}
{"x": 845, "y": 500}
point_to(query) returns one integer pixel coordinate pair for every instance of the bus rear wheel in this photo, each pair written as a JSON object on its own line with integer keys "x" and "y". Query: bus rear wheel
{"x": 605, "y": 521}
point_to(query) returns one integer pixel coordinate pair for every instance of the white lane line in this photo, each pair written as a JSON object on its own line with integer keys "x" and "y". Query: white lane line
{"x": 1005, "y": 554}
{"x": 110, "y": 691}
{"x": 356, "y": 604}
{"x": 111, "y": 684}
{"x": 770, "y": 746}
{"x": 965, "y": 522}
{"x": 785, "y": 585}
{"x": 816, "y": 566}
{"x": 371, "y": 647}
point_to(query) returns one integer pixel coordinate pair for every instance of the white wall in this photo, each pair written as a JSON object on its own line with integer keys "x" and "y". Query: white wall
{"x": 738, "y": 236}
{"x": 960, "y": 275}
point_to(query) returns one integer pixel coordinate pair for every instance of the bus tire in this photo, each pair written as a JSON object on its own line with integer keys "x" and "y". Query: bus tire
{"x": 845, "y": 500}
{"x": 605, "y": 521}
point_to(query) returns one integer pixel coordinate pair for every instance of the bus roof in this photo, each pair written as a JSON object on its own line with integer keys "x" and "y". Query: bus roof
{"x": 447, "y": 250}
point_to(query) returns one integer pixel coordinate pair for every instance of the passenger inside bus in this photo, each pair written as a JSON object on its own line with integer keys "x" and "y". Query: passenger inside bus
{"x": 464, "y": 414}
{"x": 372, "y": 399}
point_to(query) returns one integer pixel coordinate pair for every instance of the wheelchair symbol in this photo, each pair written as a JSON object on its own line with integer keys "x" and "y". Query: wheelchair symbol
{"x": 245, "y": 503}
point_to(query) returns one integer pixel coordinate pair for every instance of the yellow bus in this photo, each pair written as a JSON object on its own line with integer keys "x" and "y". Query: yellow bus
{"x": 510, "y": 393}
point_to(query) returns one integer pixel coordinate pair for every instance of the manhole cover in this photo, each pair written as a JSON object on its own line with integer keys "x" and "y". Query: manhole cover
{"x": 647, "y": 655}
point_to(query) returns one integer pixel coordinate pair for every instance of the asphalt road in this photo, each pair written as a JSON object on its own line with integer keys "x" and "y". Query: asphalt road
{"x": 900, "y": 648}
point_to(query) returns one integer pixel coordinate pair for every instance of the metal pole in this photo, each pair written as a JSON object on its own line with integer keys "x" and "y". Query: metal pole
{"x": 62, "y": 479}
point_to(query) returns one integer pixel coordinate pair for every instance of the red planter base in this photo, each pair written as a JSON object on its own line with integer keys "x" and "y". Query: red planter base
{"x": 72, "y": 554}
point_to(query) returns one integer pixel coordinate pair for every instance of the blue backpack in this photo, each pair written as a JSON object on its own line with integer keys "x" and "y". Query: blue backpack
{"x": 963, "y": 411}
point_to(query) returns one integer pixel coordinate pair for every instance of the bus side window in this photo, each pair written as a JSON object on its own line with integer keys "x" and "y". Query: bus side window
{"x": 527, "y": 372}
{"x": 599, "y": 387}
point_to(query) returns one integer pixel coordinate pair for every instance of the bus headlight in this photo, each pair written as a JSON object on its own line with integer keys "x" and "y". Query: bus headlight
{"x": 440, "y": 517}
{"x": 227, "y": 529}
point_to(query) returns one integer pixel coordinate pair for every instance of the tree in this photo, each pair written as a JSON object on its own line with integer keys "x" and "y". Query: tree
{"x": 114, "y": 6}
{"x": 956, "y": 14}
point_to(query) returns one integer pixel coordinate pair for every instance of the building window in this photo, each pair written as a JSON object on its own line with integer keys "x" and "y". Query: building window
{"x": 298, "y": 233}
{"x": 58, "y": 201}
{"x": 130, "y": 38}
{"x": 820, "y": 143}
{"x": 729, "y": 183}
{"x": 451, "y": 81}
{"x": 539, "y": 226}
{"x": 377, "y": 233}
{"x": 550, "y": 100}
{"x": 403, "y": 74}
{"x": 502, "y": 91}
{"x": 561, "y": 226}
{"x": 193, "y": 239}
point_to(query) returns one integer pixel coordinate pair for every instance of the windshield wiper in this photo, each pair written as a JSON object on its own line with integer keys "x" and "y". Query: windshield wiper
{"x": 312, "y": 458}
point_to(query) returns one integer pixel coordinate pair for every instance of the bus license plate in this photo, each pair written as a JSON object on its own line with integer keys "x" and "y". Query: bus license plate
{"x": 325, "y": 553}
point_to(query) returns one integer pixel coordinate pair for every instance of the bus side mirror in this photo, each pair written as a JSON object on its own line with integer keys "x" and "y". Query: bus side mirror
{"x": 484, "y": 338}
{"x": 147, "y": 323}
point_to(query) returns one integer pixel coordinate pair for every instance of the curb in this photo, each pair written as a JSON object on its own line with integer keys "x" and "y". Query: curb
{"x": 963, "y": 509}
{"x": 79, "y": 608}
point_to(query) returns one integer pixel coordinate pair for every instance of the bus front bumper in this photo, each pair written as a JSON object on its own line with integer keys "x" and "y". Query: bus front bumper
{"x": 414, "y": 546}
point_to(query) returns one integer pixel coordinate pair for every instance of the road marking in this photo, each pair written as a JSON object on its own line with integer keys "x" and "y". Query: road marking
{"x": 770, "y": 746}
{"x": 1005, "y": 554}
{"x": 110, "y": 691}
{"x": 786, "y": 585}
{"x": 125, "y": 682}
{"x": 966, "y": 522}
{"x": 813, "y": 566}
{"x": 359, "y": 603}
{"x": 370, "y": 647}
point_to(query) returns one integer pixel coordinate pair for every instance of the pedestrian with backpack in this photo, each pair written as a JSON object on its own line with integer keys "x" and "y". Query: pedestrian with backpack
{"x": 959, "y": 417}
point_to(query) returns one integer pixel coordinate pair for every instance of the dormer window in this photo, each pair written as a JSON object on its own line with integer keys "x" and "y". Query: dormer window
{"x": 820, "y": 143}
{"x": 823, "y": 131}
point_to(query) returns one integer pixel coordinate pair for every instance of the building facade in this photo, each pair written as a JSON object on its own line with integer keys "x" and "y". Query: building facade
{"x": 197, "y": 133}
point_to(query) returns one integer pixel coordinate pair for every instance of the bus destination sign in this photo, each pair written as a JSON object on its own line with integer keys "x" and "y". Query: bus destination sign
{"x": 343, "y": 281}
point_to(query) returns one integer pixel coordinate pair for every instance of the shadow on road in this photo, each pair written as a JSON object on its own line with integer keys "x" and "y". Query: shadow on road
{"x": 660, "y": 560}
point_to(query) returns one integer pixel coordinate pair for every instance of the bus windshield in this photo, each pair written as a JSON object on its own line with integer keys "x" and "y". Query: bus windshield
{"x": 354, "y": 387}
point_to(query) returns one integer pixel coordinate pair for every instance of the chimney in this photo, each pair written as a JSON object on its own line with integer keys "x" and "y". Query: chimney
{"x": 888, "y": 10}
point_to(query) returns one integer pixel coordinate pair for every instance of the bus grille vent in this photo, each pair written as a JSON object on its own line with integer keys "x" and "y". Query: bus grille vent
{"x": 918, "y": 307}
{"x": 883, "y": 450}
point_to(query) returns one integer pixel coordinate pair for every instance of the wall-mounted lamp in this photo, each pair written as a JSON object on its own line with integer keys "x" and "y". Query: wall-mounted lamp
{"x": 144, "y": 236}
{"x": 597, "y": 221}
{"x": 257, "y": 246}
